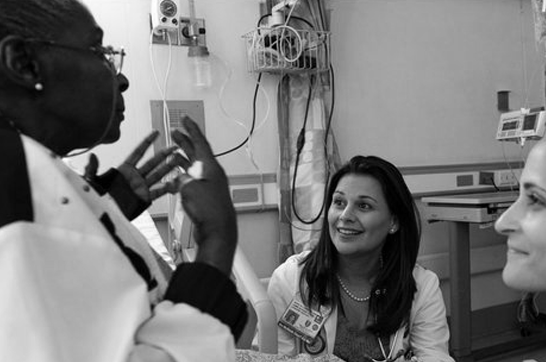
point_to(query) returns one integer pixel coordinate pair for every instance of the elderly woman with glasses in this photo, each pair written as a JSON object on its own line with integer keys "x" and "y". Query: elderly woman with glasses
{"x": 79, "y": 282}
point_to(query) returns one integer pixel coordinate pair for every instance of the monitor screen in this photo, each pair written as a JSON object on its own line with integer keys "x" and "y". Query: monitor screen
{"x": 510, "y": 125}
{"x": 529, "y": 122}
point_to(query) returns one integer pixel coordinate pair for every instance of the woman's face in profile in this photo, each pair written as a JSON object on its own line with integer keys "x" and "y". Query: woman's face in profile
{"x": 524, "y": 223}
{"x": 81, "y": 92}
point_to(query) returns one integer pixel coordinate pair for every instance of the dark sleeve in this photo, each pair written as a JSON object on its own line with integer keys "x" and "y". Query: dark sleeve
{"x": 113, "y": 183}
{"x": 209, "y": 290}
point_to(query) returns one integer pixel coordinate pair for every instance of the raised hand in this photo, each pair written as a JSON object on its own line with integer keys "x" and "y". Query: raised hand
{"x": 144, "y": 179}
{"x": 135, "y": 187}
{"x": 206, "y": 198}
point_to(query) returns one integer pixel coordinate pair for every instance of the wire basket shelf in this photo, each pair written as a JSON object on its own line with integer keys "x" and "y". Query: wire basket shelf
{"x": 283, "y": 49}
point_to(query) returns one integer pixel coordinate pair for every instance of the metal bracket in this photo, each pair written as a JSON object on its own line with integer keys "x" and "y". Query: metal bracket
{"x": 192, "y": 33}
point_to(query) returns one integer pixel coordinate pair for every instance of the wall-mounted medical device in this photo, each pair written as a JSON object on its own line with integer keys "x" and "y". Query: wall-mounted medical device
{"x": 165, "y": 15}
{"x": 523, "y": 124}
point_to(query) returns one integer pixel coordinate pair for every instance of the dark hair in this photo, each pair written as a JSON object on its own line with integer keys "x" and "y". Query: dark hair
{"x": 318, "y": 283}
{"x": 44, "y": 19}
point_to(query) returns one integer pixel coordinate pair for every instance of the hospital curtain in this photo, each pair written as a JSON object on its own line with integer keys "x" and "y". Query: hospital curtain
{"x": 303, "y": 175}
{"x": 539, "y": 16}
{"x": 308, "y": 153}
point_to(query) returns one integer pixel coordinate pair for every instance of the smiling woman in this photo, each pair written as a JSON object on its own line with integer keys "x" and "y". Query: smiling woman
{"x": 359, "y": 294}
{"x": 525, "y": 225}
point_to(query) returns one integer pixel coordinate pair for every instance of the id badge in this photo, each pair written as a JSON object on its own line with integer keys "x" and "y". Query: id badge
{"x": 301, "y": 321}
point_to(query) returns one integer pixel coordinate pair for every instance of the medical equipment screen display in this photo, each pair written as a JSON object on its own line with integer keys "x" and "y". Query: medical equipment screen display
{"x": 518, "y": 125}
{"x": 529, "y": 122}
{"x": 510, "y": 125}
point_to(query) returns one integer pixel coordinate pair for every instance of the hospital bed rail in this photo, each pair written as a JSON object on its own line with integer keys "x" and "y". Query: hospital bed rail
{"x": 262, "y": 318}
{"x": 252, "y": 290}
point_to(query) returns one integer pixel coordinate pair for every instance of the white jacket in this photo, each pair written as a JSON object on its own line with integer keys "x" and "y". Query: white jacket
{"x": 70, "y": 294}
{"x": 428, "y": 330}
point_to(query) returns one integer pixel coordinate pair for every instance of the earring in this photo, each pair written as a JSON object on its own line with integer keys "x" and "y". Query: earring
{"x": 39, "y": 87}
{"x": 392, "y": 230}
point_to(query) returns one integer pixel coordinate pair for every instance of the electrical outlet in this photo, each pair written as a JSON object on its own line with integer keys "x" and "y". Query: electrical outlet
{"x": 507, "y": 178}
{"x": 500, "y": 178}
{"x": 248, "y": 195}
{"x": 486, "y": 178}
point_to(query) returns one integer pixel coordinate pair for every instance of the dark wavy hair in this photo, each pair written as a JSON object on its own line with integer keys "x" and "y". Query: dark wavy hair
{"x": 43, "y": 19}
{"x": 318, "y": 283}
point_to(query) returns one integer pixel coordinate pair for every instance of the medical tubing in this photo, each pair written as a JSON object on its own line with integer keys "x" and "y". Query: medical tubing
{"x": 327, "y": 130}
{"x": 322, "y": 22}
{"x": 193, "y": 20}
{"x": 326, "y": 133}
{"x": 391, "y": 348}
{"x": 290, "y": 12}
{"x": 298, "y": 37}
{"x": 253, "y": 121}
{"x": 163, "y": 91}
{"x": 249, "y": 143}
{"x": 293, "y": 17}
{"x": 299, "y": 147}
{"x": 166, "y": 115}
{"x": 523, "y": 56}
{"x": 221, "y": 97}
{"x": 257, "y": 168}
{"x": 268, "y": 109}
{"x": 301, "y": 141}
{"x": 222, "y": 90}
{"x": 282, "y": 41}
{"x": 332, "y": 101}
{"x": 191, "y": 5}
{"x": 325, "y": 147}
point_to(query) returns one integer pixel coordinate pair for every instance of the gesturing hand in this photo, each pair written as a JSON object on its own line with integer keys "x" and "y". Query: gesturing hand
{"x": 144, "y": 180}
{"x": 134, "y": 187}
{"x": 206, "y": 199}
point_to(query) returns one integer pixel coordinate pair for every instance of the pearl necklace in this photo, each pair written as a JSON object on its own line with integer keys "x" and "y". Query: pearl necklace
{"x": 351, "y": 295}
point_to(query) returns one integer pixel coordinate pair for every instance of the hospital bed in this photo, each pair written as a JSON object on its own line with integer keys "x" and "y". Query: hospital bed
{"x": 262, "y": 317}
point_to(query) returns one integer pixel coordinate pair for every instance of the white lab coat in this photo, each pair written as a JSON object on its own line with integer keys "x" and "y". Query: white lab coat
{"x": 429, "y": 333}
{"x": 70, "y": 294}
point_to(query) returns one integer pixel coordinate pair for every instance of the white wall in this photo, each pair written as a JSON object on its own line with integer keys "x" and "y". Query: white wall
{"x": 423, "y": 76}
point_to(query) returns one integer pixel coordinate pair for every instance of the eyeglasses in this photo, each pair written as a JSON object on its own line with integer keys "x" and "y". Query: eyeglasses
{"x": 113, "y": 56}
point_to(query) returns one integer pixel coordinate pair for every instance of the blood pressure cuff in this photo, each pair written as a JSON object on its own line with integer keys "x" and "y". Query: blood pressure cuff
{"x": 16, "y": 204}
{"x": 209, "y": 290}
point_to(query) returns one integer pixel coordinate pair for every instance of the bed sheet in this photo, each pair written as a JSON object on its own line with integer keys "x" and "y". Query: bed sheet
{"x": 254, "y": 356}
